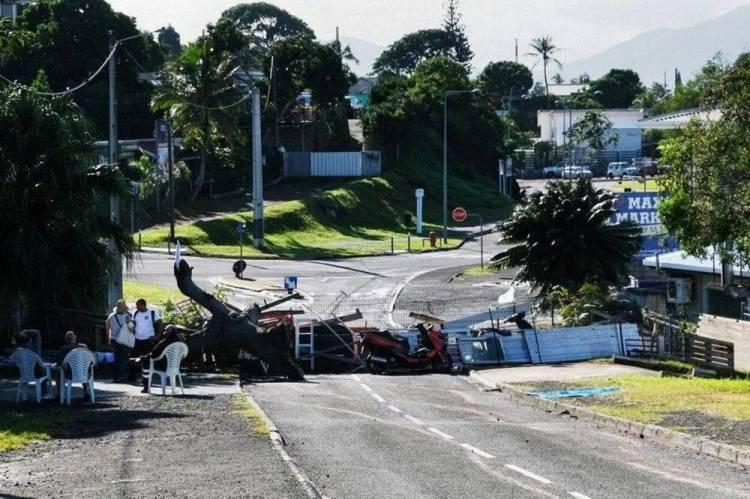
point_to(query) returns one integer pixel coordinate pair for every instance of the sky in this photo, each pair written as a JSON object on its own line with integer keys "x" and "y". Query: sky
{"x": 581, "y": 28}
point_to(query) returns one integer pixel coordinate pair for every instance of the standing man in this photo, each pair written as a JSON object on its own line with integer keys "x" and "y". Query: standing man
{"x": 148, "y": 326}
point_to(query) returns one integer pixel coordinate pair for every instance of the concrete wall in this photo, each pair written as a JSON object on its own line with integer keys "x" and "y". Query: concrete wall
{"x": 734, "y": 331}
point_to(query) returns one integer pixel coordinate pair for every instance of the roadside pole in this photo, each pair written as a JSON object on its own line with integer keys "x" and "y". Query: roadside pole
{"x": 257, "y": 173}
{"x": 114, "y": 285}
{"x": 170, "y": 161}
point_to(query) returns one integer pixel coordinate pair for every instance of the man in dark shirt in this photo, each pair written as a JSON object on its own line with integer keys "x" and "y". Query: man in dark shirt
{"x": 172, "y": 334}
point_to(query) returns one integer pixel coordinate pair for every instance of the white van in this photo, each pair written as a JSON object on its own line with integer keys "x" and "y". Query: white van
{"x": 617, "y": 169}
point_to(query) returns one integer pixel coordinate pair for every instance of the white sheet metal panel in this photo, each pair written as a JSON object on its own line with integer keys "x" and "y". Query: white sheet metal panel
{"x": 336, "y": 164}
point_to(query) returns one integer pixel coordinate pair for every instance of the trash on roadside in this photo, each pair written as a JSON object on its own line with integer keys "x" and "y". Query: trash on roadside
{"x": 576, "y": 393}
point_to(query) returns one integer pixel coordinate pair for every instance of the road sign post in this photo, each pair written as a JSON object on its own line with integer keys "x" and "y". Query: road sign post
{"x": 419, "y": 193}
{"x": 290, "y": 283}
{"x": 460, "y": 215}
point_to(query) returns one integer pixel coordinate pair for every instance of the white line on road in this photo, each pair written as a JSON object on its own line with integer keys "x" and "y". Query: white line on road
{"x": 377, "y": 397}
{"x": 578, "y": 495}
{"x": 394, "y": 409}
{"x": 365, "y": 387}
{"x": 440, "y": 433}
{"x": 529, "y": 474}
{"x": 356, "y": 378}
{"x": 414, "y": 420}
{"x": 476, "y": 451}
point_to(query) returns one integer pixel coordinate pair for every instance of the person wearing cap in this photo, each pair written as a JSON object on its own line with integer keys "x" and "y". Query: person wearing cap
{"x": 118, "y": 319}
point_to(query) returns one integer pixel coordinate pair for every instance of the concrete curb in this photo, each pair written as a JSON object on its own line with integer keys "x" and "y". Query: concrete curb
{"x": 724, "y": 452}
{"x": 278, "y": 443}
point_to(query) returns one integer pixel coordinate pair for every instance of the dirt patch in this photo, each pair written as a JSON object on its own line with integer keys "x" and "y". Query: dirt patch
{"x": 721, "y": 429}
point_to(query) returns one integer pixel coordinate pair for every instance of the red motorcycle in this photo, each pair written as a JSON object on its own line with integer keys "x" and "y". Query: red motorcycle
{"x": 383, "y": 351}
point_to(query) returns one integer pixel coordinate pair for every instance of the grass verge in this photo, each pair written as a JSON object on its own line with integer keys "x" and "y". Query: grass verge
{"x": 245, "y": 410}
{"x": 19, "y": 429}
{"x": 358, "y": 218}
{"x": 153, "y": 294}
{"x": 649, "y": 399}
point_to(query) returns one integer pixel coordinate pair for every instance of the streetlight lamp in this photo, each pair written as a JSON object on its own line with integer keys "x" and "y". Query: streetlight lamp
{"x": 447, "y": 94}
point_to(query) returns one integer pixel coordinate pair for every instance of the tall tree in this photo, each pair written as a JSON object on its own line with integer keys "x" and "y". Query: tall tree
{"x": 404, "y": 55}
{"x": 54, "y": 219}
{"x": 505, "y": 79}
{"x": 262, "y": 24}
{"x": 544, "y": 50}
{"x": 198, "y": 94}
{"x": 454, "y": 27}
{"x": 169, "y": 39}
{"x": 563, "y": 237}
{"x": 708, "y": 183}
{"x": 71, "y": 40}
{"x": 617, "y": 89}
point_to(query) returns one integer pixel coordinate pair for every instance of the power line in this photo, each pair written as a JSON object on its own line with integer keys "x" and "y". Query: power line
{"x": 220, "y": 108}
{"x": 70, "y": 90}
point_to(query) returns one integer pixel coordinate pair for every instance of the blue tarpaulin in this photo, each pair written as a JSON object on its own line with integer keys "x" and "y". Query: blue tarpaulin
{"x": 576, "y": 393}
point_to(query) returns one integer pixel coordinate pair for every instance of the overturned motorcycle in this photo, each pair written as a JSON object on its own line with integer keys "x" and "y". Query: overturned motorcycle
{"x": 383, "y": 351}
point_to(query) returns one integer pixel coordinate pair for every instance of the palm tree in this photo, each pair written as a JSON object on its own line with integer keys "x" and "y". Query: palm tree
{"x": 54, "y": 211}
{"x": 564, "y": 238}
{"x": 198, "y": 93}
{"x": 544, "y": 50}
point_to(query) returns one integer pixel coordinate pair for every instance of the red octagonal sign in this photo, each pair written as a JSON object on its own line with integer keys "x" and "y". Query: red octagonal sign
{"x": 459, "y": 215}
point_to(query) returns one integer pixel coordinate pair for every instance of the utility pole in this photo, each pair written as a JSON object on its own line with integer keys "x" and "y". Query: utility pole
{"x": 516, "y": 50}
{"x": 445, "y": 168}
{"x": 170, "y": 162}
{"x": 114, "y": 291}
{"x": 258, "y": 235}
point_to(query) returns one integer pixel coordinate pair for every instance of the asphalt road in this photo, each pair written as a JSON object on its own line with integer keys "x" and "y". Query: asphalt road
{"x": 440, "y": 436}
{"x": 380, "y": 277}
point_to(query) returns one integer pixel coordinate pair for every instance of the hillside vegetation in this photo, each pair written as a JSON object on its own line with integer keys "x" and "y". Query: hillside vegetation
{"x": 358, "y": 218}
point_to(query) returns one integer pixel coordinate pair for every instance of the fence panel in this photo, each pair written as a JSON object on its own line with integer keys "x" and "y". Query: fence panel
{"x": 336, "y": 164}
{"x": 296, "y": 164}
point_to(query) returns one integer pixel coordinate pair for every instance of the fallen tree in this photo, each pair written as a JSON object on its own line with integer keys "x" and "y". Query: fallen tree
{"x": 268, "y": 340}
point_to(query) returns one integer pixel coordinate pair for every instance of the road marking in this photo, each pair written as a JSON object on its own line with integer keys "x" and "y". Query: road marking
{"x": 578, "y": 495}
{"x": 356, "y": 378}
{"x": 529, "y": 474}
{"x": 476, "y": 451}
{"x": 394, "y": 409}
{"x": 440, "y": 433}
{"x": 414, "y": 420}
{"x": 365, "y": 387}
{"x": 377, "y": 397}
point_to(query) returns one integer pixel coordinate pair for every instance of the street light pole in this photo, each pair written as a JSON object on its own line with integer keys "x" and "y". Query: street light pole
{"x": 114, "y": 288}
{"x": 257, "y": 173}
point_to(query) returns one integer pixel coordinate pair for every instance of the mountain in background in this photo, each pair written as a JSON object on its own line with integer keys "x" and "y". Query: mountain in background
{"x": 363, "y": 50}
{"x": 687, "y": 49}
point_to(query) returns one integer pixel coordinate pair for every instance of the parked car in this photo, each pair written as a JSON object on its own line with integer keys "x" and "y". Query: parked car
{"x": 631, "y": 172}
{"x": 576, "y": 172}
{"x": 617, "y": 169}
{"x": 646, "y": 166}
{"x": 554, "y": 171}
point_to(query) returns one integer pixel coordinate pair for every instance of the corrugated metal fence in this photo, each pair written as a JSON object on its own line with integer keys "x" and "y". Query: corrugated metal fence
{"x": 332, "y": 164}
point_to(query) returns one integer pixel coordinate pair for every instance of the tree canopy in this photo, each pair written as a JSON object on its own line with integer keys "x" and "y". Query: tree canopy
{"x": 54, "y": 214}
{"x": 69, "y": 41}
{"x": 404, "y": 55}
{"x": 708, "y": 183}
{"x": 544, "y": 50}
{"x": 454, "y": 27}
{"x": 594, "y": 130}
{"x": 563, "y": 237}
{"x": 504, "y": 79}
{"x": 617, "y": 89}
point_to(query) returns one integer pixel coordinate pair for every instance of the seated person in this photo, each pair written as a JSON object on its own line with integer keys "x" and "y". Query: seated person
{"x": 70, "y": 343}
{"x": 172, "y": 334}
{"x": 31, "y": 339}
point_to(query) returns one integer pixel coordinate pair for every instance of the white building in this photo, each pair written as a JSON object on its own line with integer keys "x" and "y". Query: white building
{"x": 554, "y": 124}
{"x": 11, "y": 8}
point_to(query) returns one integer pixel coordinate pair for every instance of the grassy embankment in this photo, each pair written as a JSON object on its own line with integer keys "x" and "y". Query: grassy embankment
{"x": 358, "y": 218}
{"x": 651, "y": 399}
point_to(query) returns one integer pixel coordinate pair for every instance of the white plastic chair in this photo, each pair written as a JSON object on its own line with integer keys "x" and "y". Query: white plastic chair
{"x": 26, "y": 360}
{"x": 81, "y": 362}
{"x": 174, "y": 354}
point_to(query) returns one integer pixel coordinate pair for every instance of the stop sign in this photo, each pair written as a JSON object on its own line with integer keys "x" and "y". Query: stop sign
{"x": 459, "y": 215}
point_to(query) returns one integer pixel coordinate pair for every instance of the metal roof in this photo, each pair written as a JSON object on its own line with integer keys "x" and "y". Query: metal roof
{"x": 680, "y": 261}
{"x": 679, "y": 119}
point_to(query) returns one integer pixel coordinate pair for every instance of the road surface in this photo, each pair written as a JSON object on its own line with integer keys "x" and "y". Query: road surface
{"x": 440, "y": 436}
